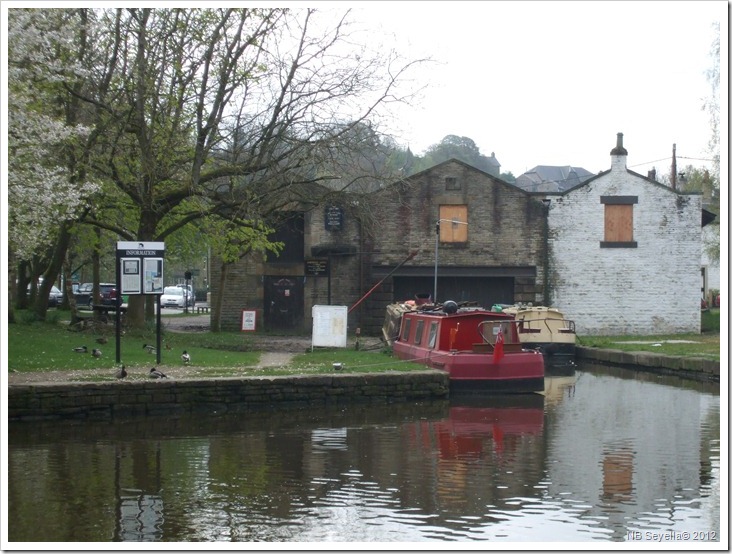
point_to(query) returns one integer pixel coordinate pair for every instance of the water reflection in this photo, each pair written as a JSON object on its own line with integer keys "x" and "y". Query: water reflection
{"x": 596, "y": 457}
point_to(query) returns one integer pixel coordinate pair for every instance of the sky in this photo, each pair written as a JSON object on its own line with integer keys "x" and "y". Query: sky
{"x": 552, "y": 83}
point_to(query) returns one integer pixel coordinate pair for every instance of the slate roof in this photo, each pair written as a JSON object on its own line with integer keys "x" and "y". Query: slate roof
{"x": 552, "y": 178}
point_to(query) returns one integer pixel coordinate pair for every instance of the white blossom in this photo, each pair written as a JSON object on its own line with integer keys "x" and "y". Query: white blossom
{"x": 40, "y": 193}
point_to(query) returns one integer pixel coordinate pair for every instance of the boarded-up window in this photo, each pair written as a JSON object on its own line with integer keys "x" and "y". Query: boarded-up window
{"x": 619, "y": 221}
{"x": 451, "y": 183}
{"x": 453, "y": 224}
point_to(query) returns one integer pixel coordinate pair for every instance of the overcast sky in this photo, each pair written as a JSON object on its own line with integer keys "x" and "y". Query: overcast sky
{"x": 552, "y": 83}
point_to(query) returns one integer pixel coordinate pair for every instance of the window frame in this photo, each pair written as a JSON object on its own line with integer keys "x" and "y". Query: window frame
{"x": 619, "y": 210}
{"x": 451, "y": 183}
{"x": 418, "y": 331}
{"x": 432, "y": 334}
{"x": 453, "y": 233}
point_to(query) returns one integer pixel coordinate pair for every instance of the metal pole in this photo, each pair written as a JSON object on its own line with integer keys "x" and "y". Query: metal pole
{"x": 158, "y": 341}
{"x": 118, "y": 303}
{"x": 412, "y": 255}
{"x": 437, "y": 246}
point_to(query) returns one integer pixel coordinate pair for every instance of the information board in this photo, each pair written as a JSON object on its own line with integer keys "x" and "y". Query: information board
{"x": 248, "y": 320}
{"x": 140, "y": 266}
{"x": 330, "y": 326}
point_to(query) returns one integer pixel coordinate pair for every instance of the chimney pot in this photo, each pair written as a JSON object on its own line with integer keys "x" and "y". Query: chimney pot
{"x": 619, "y": 150}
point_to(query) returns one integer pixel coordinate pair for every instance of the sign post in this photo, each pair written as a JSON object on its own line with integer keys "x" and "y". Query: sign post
{"x": 139, "y": 272}
{"x": 330, "y": 326}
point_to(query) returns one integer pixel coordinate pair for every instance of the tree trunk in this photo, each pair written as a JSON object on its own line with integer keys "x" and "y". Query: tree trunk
{"x": 69, "y": 298}
{"x": 12, "y": 277}
{"x": 21, "y": 287}
{"x": 53, "y": 270}
{"x": 218, "y": 301}
{"x": 96, "y": 264}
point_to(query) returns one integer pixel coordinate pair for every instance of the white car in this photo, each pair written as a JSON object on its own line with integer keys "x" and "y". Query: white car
{"x": 173, "y": 297}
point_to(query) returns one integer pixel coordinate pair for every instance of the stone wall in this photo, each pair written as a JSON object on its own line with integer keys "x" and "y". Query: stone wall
{"x": 652, "y": 288}
{"x": 698, "y": 369}
{"x": 505, "y": 232}
{"x": 158, "y": 398}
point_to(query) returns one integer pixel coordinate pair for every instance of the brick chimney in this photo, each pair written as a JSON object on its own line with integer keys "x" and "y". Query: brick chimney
{"x": 618, "y": 155}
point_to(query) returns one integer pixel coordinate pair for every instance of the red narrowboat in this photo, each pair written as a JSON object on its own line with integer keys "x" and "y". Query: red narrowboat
{"x": 480, "y": 349}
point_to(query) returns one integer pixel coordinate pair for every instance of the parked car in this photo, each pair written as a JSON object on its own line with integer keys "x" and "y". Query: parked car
{"x": 174, "y": 297}
{"x": 107, "y": 294}
{"x": 191, "y": 296}
{"x": 55, "y": 297}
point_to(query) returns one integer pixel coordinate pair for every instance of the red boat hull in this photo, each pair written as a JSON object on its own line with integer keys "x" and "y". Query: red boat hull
{"x": 516, "y": 372}
{"x": 454, "y": 343}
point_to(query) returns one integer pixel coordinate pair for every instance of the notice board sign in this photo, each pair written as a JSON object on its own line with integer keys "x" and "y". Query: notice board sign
{"x": 140, "y": 267}
{"x": 316, "y": 266}
{"x": 333, "y": 218}
{"x": 248, "y": 320}
{"x": 330, "y": 326}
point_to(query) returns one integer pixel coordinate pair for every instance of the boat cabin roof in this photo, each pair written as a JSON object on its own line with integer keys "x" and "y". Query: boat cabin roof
{"x": 458, "y": 331}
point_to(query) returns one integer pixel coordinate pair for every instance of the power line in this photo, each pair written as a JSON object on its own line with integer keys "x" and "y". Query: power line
{"x": 653, "y": 162}
{"x": 698, "y": 159}
{"x": 677, "y": 157}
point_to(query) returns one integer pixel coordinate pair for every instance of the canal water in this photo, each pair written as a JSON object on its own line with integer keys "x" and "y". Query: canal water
{"x": 606, "y": 455}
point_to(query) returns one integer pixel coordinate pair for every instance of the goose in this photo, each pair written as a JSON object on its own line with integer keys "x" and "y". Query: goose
{"x": 82, "y": 349}
{"x": 186, "y": 357}
{"x": 122, "y": 373}
{"x": 155, "y": 373}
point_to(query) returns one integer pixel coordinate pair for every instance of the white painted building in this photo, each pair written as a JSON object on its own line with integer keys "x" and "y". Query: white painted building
{"x": 710, "y": 268}
{"x": 625, "y": 254}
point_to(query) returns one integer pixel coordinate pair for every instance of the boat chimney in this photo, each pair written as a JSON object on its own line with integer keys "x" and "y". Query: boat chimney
{"x": 422, "y": 298}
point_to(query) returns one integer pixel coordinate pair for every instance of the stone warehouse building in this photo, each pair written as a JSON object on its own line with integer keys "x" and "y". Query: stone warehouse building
{"x": 605, "y": 252}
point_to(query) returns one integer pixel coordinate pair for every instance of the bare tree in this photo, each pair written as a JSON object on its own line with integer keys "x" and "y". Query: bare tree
{"x": 229, "y": 113}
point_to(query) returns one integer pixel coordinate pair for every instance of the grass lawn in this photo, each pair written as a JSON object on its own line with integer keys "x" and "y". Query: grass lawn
{"x": 48, "y": 346}
{"x": 704, "y": 345}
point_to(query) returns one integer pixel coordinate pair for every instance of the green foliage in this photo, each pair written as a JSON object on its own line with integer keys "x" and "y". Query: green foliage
{"x": 710, "y": 321}
{"x": 231, "y": 241}
{"x": 461, "y": 148}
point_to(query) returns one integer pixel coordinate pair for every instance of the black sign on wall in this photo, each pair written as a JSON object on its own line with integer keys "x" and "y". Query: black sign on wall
{"x": 333, "y": 218}
{"x": 315, "y": 267}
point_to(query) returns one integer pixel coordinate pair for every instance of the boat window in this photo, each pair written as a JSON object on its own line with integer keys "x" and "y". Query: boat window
{"x": 406, "y": 327}
{"x": 433, "y": 334}
{"x": 418, "y": 332}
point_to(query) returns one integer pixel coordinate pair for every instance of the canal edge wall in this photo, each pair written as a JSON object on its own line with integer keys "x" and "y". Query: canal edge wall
{"x": 107, "y": 400}
{"x": 652, "y": 362}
